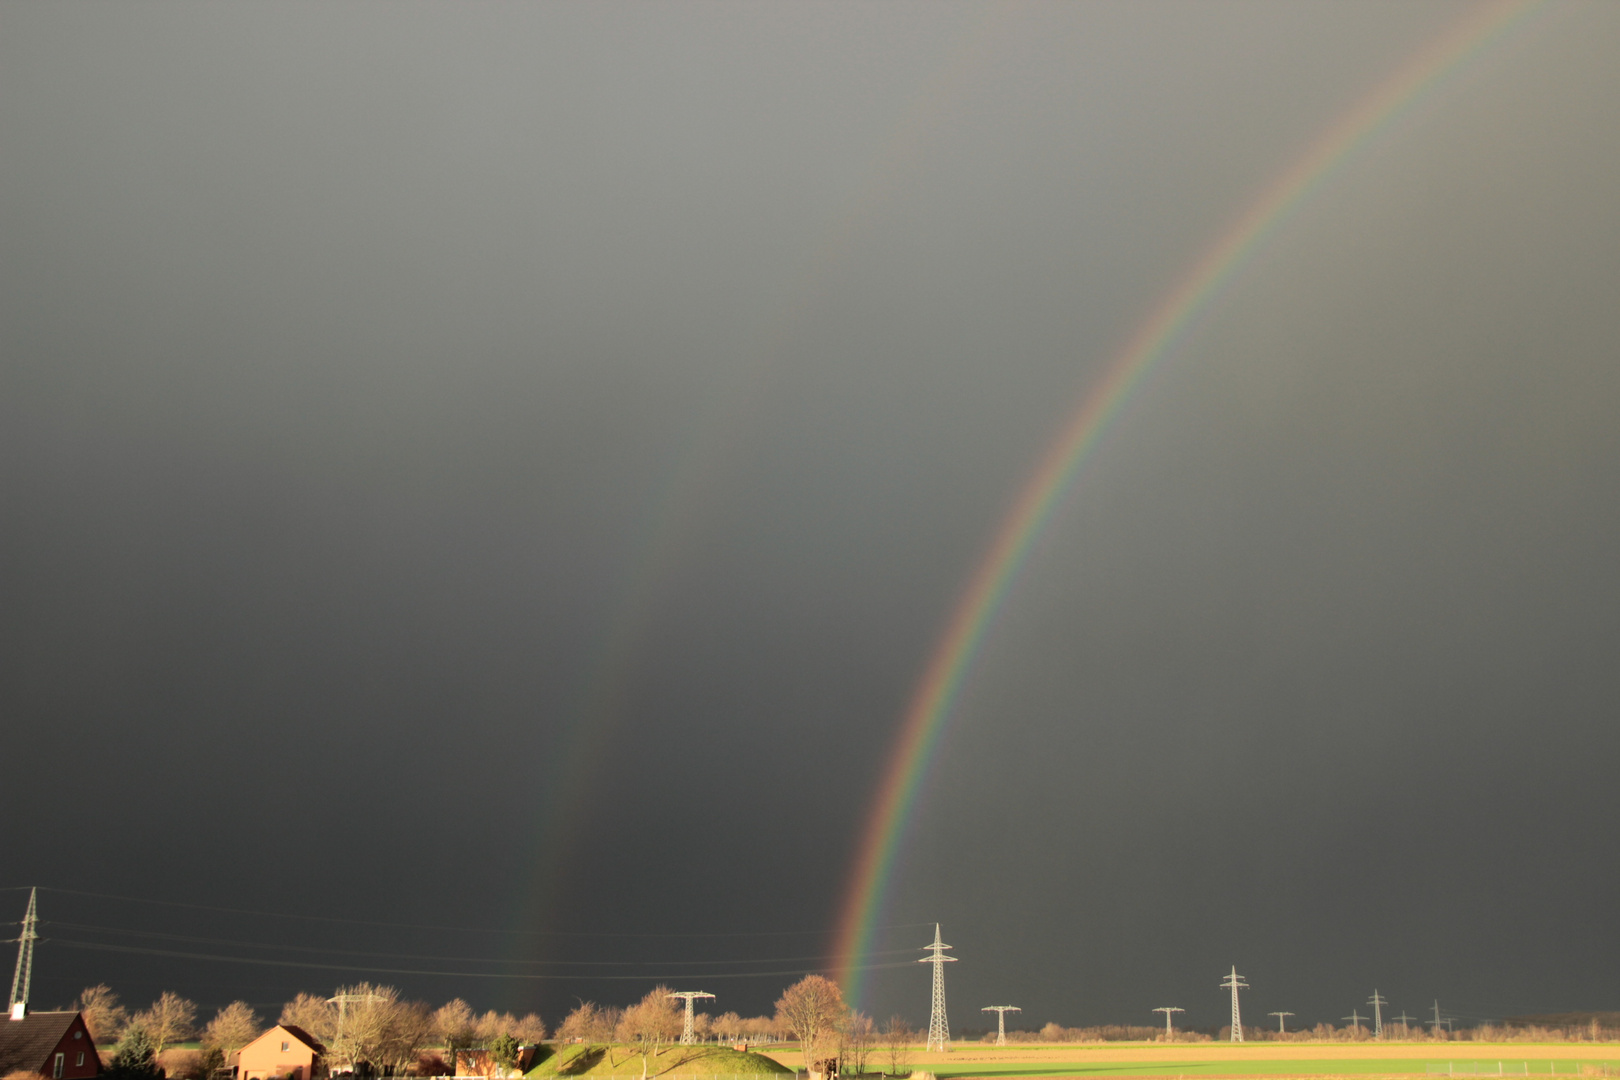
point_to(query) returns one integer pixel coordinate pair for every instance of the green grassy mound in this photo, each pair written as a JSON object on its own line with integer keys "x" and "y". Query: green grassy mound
{"x": 598, "y": 1061}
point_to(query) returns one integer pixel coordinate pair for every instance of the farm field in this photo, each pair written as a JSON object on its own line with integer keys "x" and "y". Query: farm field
{"x": 1268, "y": 1060}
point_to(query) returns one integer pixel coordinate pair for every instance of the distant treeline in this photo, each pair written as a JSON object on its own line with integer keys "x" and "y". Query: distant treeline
{"x": 1586, "y": 1027}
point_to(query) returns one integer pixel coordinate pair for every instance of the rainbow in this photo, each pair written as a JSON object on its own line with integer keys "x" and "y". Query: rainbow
{"x": 936, "y": 693}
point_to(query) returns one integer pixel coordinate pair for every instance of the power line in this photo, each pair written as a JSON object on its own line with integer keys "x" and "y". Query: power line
{"x": 522, "y": 976}
{"x": 1168, "y": 1010}
{"x": 939, "y": 1029}
{"x": 24, "y": 974}
{"x": 1001, "y": 1012}
{"x": 1234, "y": 982}
{"x": 457, "y": 929}
{"x": 688, "y": 1034}
{"x": 461, "y": 959}
{"x": 1377, "y": 1002}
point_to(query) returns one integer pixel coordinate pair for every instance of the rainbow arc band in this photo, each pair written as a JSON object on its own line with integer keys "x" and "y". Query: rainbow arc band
{"x": 932, "y": 701}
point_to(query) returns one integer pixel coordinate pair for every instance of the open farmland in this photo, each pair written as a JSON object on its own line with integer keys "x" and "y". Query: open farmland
{"x": 1273, "y": 1060}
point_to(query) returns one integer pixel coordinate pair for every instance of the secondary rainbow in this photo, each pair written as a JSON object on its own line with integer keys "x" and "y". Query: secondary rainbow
{"x": 936, "y": 692}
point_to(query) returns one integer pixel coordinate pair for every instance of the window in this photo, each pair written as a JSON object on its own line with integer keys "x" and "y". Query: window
{"x": 285, "y": 1046}
{"x": 80, "y": 1062}
{"x": 78, "y": 1034}
{"x": 56, "y": 1069}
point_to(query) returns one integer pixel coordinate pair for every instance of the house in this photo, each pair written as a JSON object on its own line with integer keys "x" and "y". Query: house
{"x": 285, "y": 1050}
{"x": 478, "y": 1061}
{"x": 53, "y": 1044}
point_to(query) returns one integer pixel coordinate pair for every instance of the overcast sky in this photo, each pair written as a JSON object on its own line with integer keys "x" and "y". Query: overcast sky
{"x": 506, "y": 467}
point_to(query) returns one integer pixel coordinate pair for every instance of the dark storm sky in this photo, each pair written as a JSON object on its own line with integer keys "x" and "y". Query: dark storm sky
{"x": 505, "y": 467}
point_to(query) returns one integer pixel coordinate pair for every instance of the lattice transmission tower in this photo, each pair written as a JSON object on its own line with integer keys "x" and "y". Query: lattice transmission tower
{"x": 1279, "y": 1016}
{"x": 25, "y": 958}
{"x": 1234, "y": 982}
{"x": 1377, "y": 1002}
{"x": 1169, "y": 1011}
{"x": 1001, "y": 1012}
{"x": 688, "y": 1036}
{"x": 939, "y": 1029}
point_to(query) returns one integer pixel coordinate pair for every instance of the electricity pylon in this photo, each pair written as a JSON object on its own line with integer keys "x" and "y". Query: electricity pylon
{"x": 939, "y": 1029}
{"x": 342, "y": 1002}
{"x": 1234, "y": 982}
{"x": 1279, "y": 1016}
{"x": 1169, "y": 1011}
{"x": 1354, "y": 1017}
{"x": 688, "y": 1036}
{"x": 1436, "y": 1022}
{"x": 1001, "y": 1012}
{"x": 1377, "y": 1002}
{"x": 25, "y": 958}
{"x": 1406, "y": 1023}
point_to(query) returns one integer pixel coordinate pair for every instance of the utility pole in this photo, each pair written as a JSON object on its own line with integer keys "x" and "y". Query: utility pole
{"x": 1169, "y": 1011}
{"x": 939, "y": 1029}
{"x": 1377, "y": 1002}
{"x": 1001, "y": 1012}
{"x": 1355, "y": 1018}
{"x": 25, "y": 958}
{"x": 1234, "y": 982}
{"x": 688, "y": 1037}
{"x": 1279, "y": 1016}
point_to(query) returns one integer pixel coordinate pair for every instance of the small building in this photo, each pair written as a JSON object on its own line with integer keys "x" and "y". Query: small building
{"x": 53, "y": 1044}
{"x": 286, "y": 1050}
{"x": 480, "y": 1061}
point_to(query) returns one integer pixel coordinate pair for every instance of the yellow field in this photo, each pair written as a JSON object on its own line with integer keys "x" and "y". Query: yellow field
{"x": 1099, "y": 1061}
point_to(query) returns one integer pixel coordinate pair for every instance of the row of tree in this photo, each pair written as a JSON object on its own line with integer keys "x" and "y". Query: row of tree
{"x": 358, "y": 1024}
{"x": 811, "y": 1011}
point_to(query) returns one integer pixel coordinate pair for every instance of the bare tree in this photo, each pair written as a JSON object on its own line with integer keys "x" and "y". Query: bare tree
{"x": 409, "y": 1028}
{"x": 102, "y": 1014}
{"x": 728, "y": 1025}
{"x": 859, "y": 1035}
{"x": 530, "y": 1030}
{"x": 649, "y": 1024}
{"x": 897, "y": 1040}
{"x": 607, "y": 1023}
{"x": 455, "y": 1026}
{"x": 170, "y": 1019}
{"x": 232, "y": 1028}
{"x": 580, "y": 1024}
{"x": 314, "y": 1015}
{"x": 492, "y": 1025}
{"x": 762, "y": 1028}
{"x": 364, "y": 1020}
{"x": 812, "y": 1009}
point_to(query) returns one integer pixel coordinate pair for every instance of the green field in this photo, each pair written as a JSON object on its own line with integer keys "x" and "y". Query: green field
{"x": 672, "y": 1061}
{"x": 1519, "y": 1065}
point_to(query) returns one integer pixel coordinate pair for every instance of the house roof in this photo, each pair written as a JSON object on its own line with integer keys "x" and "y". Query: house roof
{"x": 302, "y": 1036}
{"x": 28, "y": 1043}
